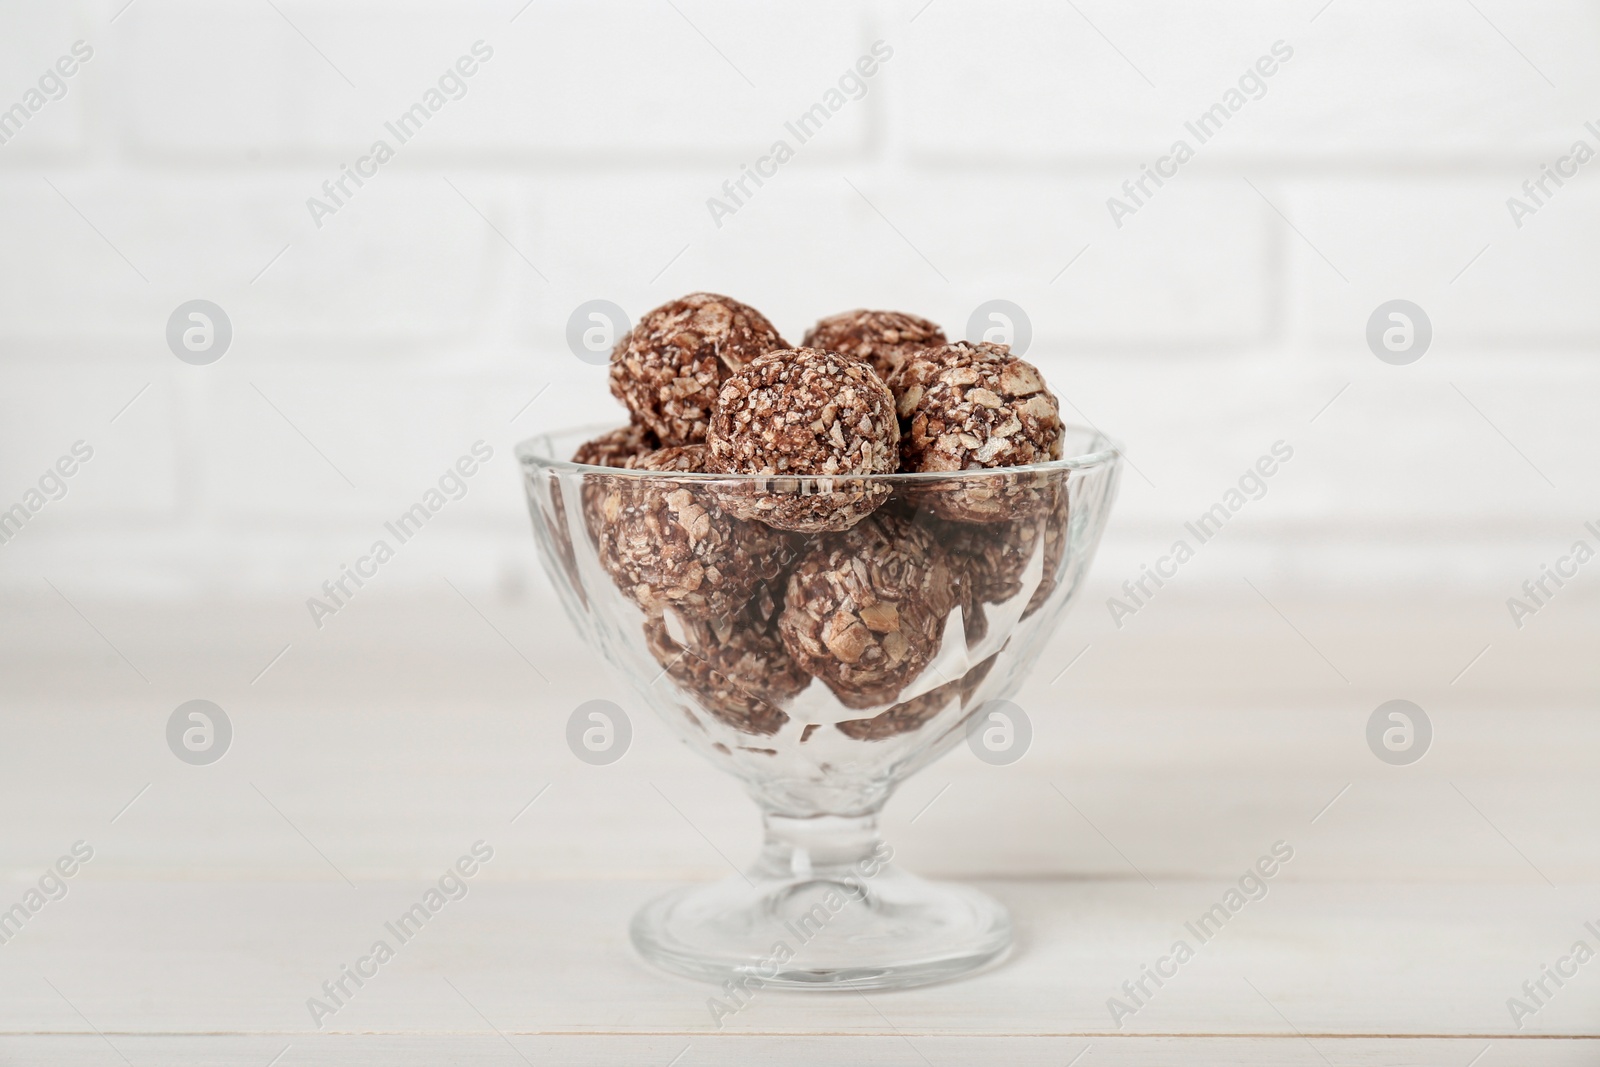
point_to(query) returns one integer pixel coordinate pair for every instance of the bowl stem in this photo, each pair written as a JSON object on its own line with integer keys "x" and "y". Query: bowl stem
{"x": 822, "y": 907}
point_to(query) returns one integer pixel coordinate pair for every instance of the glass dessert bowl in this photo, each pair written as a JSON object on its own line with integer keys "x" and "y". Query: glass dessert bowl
{"x": 821, "y": 669}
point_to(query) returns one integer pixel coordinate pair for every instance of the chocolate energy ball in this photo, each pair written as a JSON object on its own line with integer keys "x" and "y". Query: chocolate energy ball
{"x": 736, "y": 668}
{"x": 913, "y": 714}
{"x": 668, "y": 368}
{"x": 972, "y": 407}
{"x": 882, "y": 338}
{"x": 1055, "y": 524}
{"x": 987, "y": 561}
{"x": 611, "y": 449}
{"x": 616, "y": 447}
{"x": 690, "y": 458}
{"x": 666, "y": 544}
{"x": 865, "y": 608}
{"x": 903, "y": 718}
{"x": 808, "y": 419}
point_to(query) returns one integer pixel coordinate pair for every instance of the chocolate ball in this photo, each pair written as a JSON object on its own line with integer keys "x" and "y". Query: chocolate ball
{"x": 666, "y": 543}
{"x": 903, "y": 718}
{"x": 987, "y": 561}
{"x": 974, "y": 407}
{"x": 808, "y": 420}
{"x": 690, "y": 458}
{"x": 865, "y": 608}
{"x": 611, "y": 449}
{"x": 735, "y": 667}
{"x": 1056, "y": 526}
{"x": 881, "y": 338}
{"x": 614, "y": 448}
{"x": 911, "y": 715}
{"x": 668, "y": 368}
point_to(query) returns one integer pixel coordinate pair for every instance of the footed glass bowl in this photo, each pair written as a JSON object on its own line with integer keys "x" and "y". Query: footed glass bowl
{"x": 821, "y": 667}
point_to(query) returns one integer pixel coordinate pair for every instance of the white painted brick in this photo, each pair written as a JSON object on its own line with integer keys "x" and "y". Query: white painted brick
{"x": 36, "y": 35}
{"x": 408, "y": 263}
{"x": 391, "y": 435}
{"x": 1399, "y": 450}
{"x": 634, "y": 77}
{"x": 1199, "y": 332}
{"x": 261, "y": 508}
{"x": 279, "y": 558}
{"x": 1410, "y": 238}
{"x": 1397, "y": 484}
{"x": 563, "y": 79}
{"x": 1368, "y": 80}
{"x": 218, "y": 79}
{"x": 47, "y": 405}
{"x": 1190, "y": 271}
{"x": 1373, "y": 84}
{"x": 403, "y": 265}
{"x": 61, "y": 276}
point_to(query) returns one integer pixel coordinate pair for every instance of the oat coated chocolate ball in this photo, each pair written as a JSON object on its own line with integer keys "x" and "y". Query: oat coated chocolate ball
{"x": 974, "y": 407}
{"x": 865, "y": 609}
{"x": 666, "y": 543}
{"x": 903, "y": 718}
{"x": 808, "y": 420}
{"x": 611, "y": 449}
{"x": 911, "y": 715}
{"x": 882, "y": 338}
{"x": 614, "y": 448}
{"x": 735, "y": 667}
{"x": 987, "y": 562}
{"x": 690, "y": 458}
{"x": 1055, "y": 525}
{"x": 668, "y": 368}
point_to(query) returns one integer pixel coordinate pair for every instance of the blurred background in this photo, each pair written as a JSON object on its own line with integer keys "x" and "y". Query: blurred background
{"x": 993, "y": 154}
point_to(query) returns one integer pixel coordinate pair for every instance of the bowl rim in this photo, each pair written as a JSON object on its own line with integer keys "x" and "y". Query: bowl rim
{"x": 1105, "y": 452}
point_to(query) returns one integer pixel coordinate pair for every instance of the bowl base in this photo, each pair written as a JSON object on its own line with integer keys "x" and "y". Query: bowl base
{"x": 886, "y": 929}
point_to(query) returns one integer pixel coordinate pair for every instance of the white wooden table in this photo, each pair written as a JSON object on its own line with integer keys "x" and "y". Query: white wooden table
{"x": 366, "y": 760}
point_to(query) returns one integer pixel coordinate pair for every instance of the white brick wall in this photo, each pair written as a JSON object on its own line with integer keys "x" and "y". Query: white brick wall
{"x": 1420, "y": 83}
{"x": 405, "y": 327}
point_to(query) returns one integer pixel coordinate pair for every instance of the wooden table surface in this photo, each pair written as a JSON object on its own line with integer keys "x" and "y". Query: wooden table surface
{"x": 219, "y": 898}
